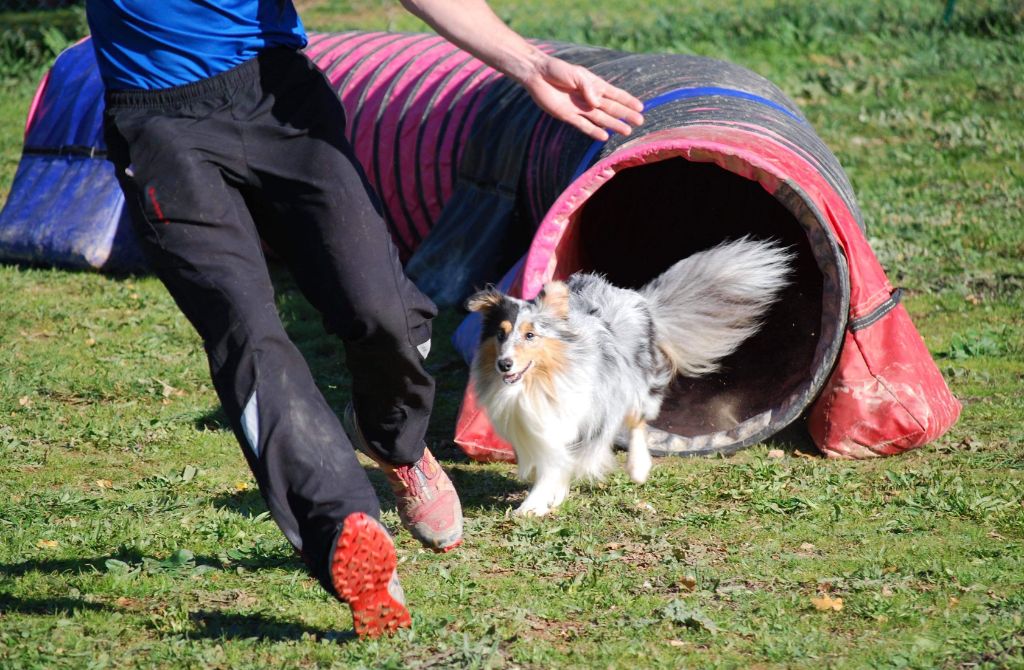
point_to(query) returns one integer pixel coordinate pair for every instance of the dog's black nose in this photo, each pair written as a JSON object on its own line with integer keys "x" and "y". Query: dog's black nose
{"x": 504, "y": 364}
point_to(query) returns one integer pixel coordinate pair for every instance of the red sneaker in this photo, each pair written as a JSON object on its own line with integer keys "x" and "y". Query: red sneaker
{"x": 427, "y": 502}
{"x": 363, "y": 574}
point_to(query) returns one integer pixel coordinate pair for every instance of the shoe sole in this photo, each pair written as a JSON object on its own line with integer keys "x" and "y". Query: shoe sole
{"x": 445, "y": 550}
{"x": 361, "y": 568}
{"x": 431, "y": 543}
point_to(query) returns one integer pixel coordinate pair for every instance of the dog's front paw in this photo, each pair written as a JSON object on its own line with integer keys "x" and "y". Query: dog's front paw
{"x": 529, "y": 508}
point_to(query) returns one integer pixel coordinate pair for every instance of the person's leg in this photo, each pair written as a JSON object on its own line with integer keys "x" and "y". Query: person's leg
{"x": 328, "y": 226}
{"x": 180, "y": 177}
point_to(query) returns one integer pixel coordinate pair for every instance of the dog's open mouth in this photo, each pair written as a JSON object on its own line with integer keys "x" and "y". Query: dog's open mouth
{"x": 513, "y": 377}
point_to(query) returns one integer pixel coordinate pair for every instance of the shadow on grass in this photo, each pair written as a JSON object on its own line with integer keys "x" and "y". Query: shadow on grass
{"x": 478, "y": 489}
{"x": 794, "y": 439}
{"x": 214, "y": 420}
{"x": 208, "y": 624}
{"x": 248, "y": 503}
{"x": 137, "y": 561}
{"x": 49, "y": 606}
{"x": 217, "y": 625}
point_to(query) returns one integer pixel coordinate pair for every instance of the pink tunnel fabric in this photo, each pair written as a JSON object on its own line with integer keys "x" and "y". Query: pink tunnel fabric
{"x": 411, "y": 101}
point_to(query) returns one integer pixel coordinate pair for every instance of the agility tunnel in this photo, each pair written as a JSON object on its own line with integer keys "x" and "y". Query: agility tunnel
{"x": 478, "y": 186}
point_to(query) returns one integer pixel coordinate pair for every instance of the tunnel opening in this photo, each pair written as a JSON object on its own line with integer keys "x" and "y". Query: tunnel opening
{"x": 647, "y": 217}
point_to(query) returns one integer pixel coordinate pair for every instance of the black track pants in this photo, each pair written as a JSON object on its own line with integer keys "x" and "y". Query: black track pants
{"x": 259, "y": 152}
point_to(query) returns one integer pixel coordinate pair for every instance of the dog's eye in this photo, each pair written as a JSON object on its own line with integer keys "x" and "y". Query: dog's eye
{"x": 502, "y": 335}
{"x": 530, "y": 336}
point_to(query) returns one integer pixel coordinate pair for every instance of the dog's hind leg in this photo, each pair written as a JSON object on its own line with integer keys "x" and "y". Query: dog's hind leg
{"x": 638, "y": 460}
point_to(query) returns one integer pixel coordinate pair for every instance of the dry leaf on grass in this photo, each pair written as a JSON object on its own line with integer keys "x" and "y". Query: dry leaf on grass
{"x": 827, "y": 603}
{"x": 47, "y": 544}
{"x": 644, "y": 506}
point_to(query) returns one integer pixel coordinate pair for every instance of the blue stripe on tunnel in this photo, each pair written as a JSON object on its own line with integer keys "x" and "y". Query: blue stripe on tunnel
{"x": 680, "y": 94}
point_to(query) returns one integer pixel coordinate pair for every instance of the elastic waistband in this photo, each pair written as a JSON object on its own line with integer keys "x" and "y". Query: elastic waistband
{"x": 243, "y": 73}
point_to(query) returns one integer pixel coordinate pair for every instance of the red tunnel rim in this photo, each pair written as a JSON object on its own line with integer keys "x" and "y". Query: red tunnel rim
{"x": 745, "y": 153}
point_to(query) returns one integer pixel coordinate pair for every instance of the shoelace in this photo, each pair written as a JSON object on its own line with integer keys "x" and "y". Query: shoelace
{"x": 413, "y": 477}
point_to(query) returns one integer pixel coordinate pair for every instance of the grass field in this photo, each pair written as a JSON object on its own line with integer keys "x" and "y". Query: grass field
{"x": 133, "y": 536}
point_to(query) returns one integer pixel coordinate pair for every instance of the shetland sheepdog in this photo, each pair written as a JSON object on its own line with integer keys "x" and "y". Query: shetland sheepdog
{"x": 560, "y": 375}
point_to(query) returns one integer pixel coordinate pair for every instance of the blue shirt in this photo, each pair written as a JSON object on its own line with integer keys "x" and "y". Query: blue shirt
{"x": 154, "y": 44}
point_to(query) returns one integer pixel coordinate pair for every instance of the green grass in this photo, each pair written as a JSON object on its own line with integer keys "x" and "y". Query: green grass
{"x": 30, "y": 40}
{"x": 133, "y": 536}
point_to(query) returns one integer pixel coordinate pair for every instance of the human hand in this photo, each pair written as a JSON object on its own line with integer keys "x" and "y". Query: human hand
{"x": 577, "y": 96}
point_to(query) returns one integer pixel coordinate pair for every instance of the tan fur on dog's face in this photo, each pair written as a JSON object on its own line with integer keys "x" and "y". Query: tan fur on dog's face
{"x": 549, "y": 360}
{"x": 518, "y": 340}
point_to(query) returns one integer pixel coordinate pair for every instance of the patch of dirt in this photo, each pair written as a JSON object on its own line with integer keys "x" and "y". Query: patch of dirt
{"x": 637, "y": 554}
{"x": 231, "y": 599}
{"x": 699, "y": 553}
{"x": 560, "y": 633}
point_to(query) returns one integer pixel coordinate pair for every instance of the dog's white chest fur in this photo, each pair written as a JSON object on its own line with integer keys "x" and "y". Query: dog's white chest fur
{"x": 540, "y": 431}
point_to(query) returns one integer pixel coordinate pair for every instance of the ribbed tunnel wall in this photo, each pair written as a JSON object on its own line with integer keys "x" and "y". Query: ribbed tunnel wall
{"x": 411, "y": 101}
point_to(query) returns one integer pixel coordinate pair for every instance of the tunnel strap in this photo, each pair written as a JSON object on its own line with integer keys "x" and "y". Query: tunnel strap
{"x": 66, "y": 150}
{"x": 877, "y": 313}
{"x": 681, "y": 94}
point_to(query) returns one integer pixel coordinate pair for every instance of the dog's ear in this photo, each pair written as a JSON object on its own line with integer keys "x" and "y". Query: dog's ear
{"x": 485, "y": 300}
{"x": 555, "y": 298}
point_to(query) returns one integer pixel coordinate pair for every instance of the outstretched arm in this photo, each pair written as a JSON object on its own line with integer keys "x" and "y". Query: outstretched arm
{"x": 570, "y": 93}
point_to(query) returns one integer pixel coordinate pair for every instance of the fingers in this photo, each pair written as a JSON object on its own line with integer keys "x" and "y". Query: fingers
{"x": 597, "y": 122}
{"x": 599, "y": 93}
{"x": 607, "y": 115}
{"x": 589, "y": 129}
{"x": 602, "y": 119}
{"x": 590, "y": 93}
{"x": 624, "y": 98}
{"x": 619, "y": 110}
{"x": 611, "y": 107}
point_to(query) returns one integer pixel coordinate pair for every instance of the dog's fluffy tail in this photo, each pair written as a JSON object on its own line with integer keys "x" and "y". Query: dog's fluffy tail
{"x": 707, "y": 304}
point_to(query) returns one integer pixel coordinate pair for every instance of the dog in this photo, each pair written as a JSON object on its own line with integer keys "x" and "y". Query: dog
{"x": 560, "y": 375}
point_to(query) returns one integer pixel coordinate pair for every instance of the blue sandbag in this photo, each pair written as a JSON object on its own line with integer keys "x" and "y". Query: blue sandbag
{"x": 65, "y": 207}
